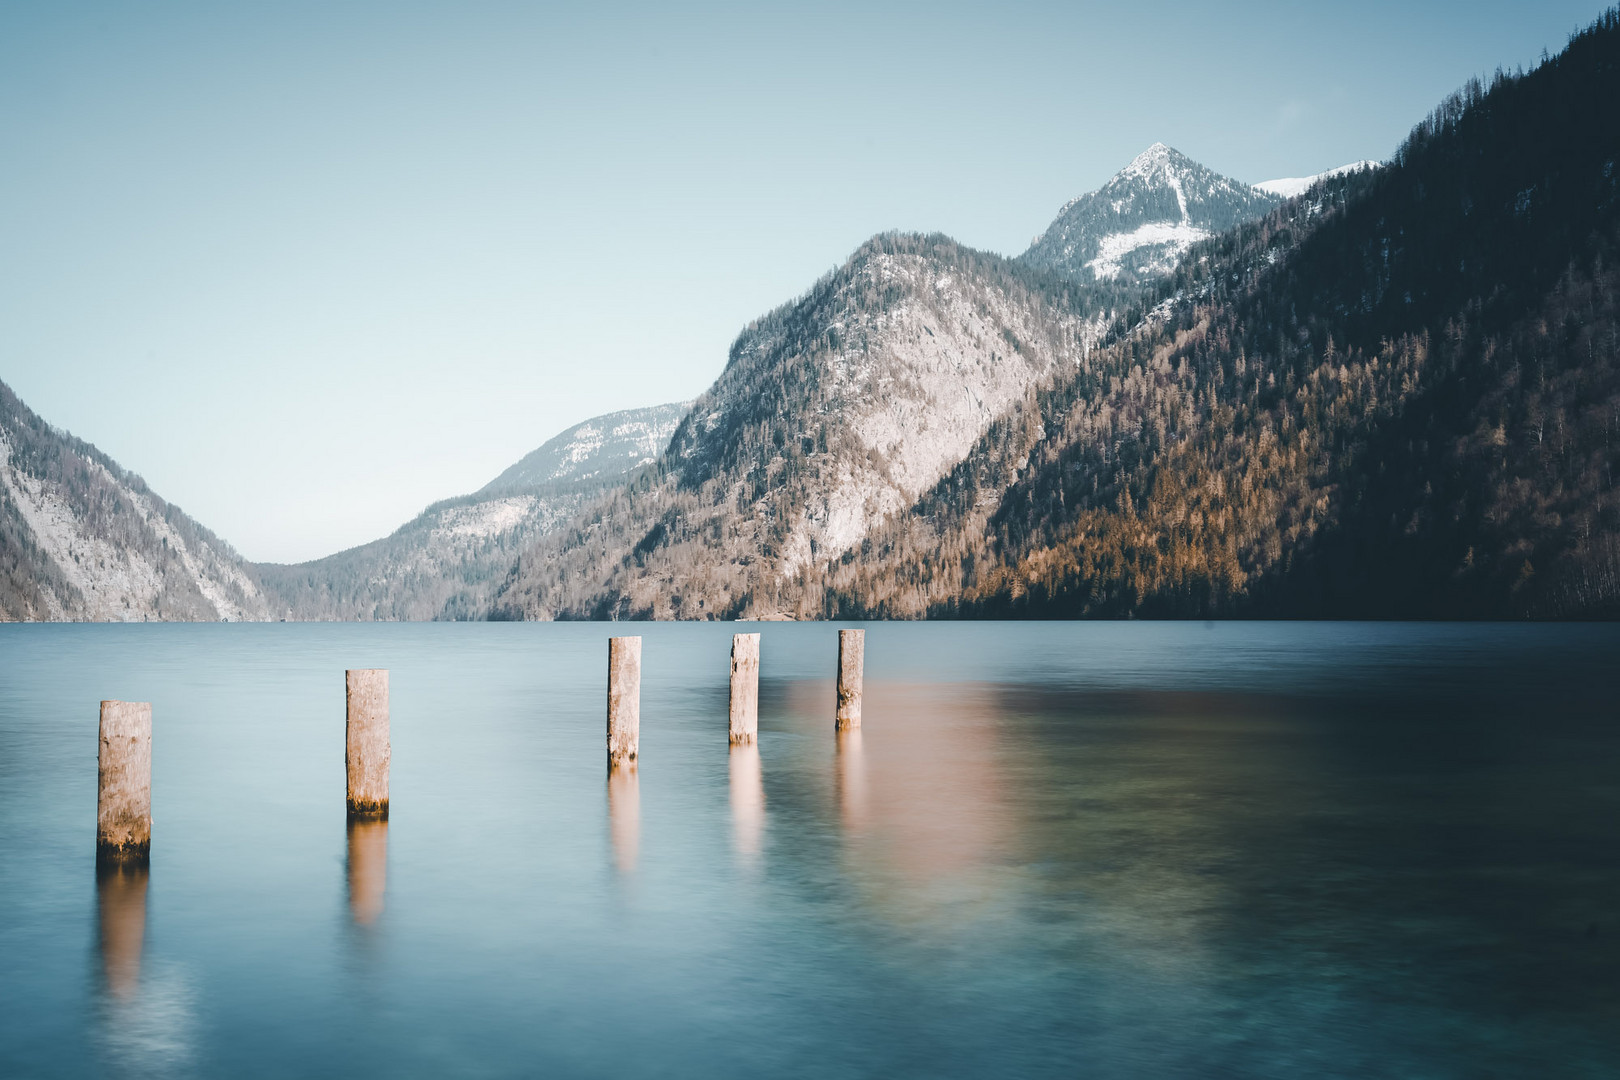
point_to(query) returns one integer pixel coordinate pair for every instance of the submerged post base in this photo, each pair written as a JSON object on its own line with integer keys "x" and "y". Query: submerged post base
{"x": 115, "y": 855}
{"x": 368, "y": 810}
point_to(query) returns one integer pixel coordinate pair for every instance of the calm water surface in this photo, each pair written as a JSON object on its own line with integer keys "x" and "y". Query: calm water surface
{"x": 1109, "y": 850}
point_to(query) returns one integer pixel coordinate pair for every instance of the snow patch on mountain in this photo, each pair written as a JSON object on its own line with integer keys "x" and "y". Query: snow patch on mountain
{"x": 1288, "y": 187}
{"x": 598, "y": 448}
{"x": 1168, "y": 239}
{"x": 481, "y": 521}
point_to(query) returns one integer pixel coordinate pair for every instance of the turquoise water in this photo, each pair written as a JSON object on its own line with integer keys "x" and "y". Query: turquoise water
{"x": 1112, "y": 850}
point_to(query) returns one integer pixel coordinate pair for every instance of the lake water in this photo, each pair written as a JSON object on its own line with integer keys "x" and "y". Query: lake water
{"x": 1104, "y": 849}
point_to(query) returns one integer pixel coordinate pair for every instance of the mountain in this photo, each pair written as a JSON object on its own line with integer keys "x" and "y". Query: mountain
{"x": 1136, "y": 226}
{"x": 448, "y": 561}
{"x": 1290, "y": 186}
{"x": 82, "y": 539}
{"x": 833, "y": 413}
{"x": 1396, "y": 397}
{"x": 1393, "y": 395}
{"x": 603, "y": 447}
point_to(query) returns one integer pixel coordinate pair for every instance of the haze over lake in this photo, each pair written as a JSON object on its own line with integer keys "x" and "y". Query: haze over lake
{"x": 1055, "y": 849}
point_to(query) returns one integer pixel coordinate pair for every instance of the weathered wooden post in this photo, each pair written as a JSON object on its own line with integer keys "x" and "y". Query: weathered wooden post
{"x": 624, "y": 702}
{"x": 124, "y": 772}
{"x": 851, "y": 661}
{"x": 368, "y": 751}
{"x": 744, "y": 688}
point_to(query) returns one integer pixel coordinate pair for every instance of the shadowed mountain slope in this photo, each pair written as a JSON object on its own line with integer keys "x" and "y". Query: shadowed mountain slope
{"x": 1398, "y": 396}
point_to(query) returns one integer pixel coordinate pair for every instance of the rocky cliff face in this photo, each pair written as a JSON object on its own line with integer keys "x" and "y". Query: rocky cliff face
{"x": 82, "y": 539}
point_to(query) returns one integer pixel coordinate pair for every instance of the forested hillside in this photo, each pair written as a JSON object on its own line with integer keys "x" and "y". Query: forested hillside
{"x": 82, "y": 539}
{"x": 601, "y": 449}
{"x": 1395, "y": 396}
{"x": 448, "y": 561}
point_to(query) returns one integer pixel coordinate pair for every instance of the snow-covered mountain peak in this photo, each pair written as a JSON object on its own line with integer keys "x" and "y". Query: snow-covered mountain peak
{"x": 1157, "y": 164}
{"x": 1138, "y": 224}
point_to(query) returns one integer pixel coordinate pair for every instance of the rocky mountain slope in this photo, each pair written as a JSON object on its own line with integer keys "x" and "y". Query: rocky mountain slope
{"x": 1139, "y": 224}
{"x": 448, "y": 561}
{"x": 833, "y": 413}
{"x": 82, "y": 539}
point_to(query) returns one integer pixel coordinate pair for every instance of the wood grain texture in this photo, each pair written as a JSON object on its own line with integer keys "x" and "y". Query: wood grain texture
{"x": 124, "y": 774}
{"x": 368, "y": 750}
{"x": 624, "y": 702}
{"x": 851, "y": 667}
{"x": 744, "y": 688}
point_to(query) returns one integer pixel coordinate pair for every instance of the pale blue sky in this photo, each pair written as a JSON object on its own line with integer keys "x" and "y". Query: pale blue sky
{"x": 308, "y": 267}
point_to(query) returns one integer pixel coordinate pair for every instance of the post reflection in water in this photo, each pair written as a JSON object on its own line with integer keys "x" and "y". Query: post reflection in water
{"x": 919, "y": 793}
{"x": 368, "y": 869}
{"x": 624, "y": 816}
{"x": 849, "y": 779}
{"x": 747, "y": 798}
{"x": 121, "y": 914}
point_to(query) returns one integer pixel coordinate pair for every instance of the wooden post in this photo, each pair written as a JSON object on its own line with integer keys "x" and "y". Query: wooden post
{"x": 624, "y": 701}
{"x": 744, "y": 688}
{"x": 368, "y": 751}
{"x": 124, "y": 798}
{"x": 851, "y": 662}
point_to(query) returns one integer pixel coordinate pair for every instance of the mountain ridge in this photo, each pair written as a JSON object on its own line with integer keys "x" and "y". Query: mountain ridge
{"x": 1390, "y": 394}
{"x": 1288, "y": 187}
{"x": 446, "y": 562}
